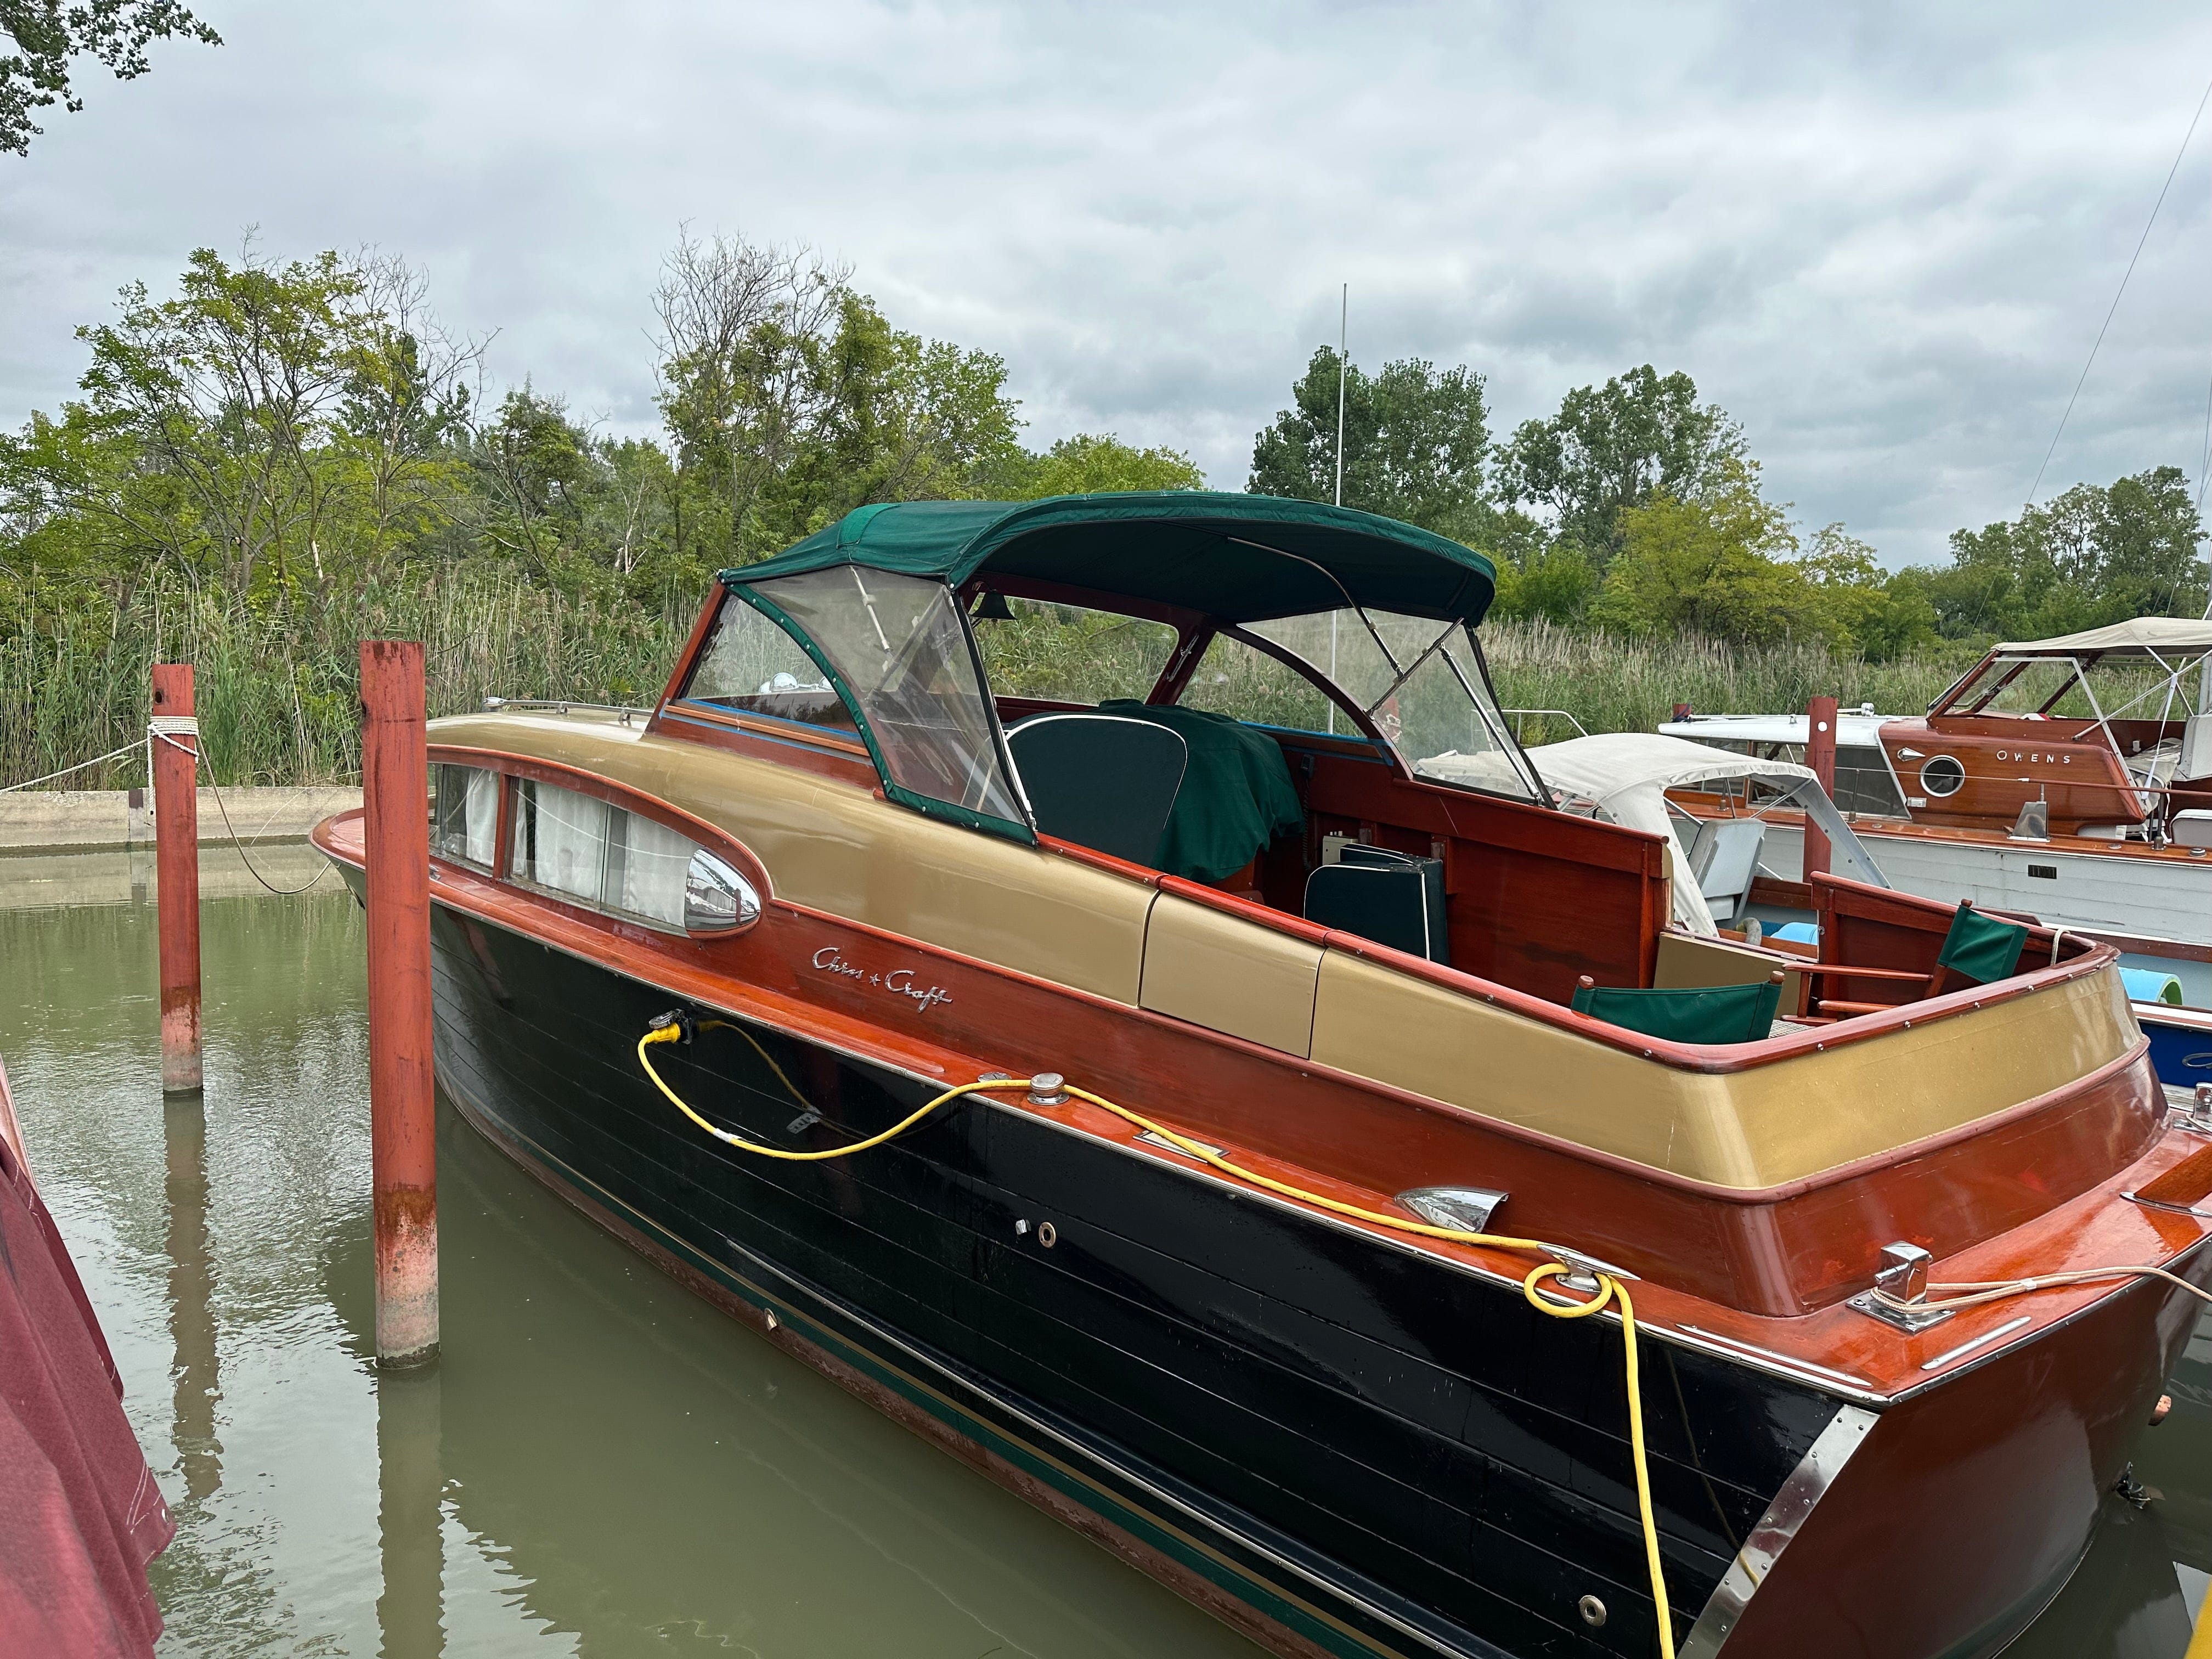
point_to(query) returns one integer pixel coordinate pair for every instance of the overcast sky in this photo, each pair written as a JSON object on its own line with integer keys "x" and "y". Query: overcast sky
{"x": 1882, "y": 237}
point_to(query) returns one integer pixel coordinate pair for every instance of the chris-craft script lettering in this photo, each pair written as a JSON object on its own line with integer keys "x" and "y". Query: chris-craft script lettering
{"x": 900, "y": 982}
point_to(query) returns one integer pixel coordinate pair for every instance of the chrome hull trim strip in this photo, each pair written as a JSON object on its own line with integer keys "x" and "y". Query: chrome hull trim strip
{"x": 1808, "y": 1483}
{"x": 1859, "y": 1384}
{"x": 1950, "y": 1354}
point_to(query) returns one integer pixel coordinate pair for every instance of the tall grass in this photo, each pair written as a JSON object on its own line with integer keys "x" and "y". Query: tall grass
{"x": 1614, "y": 684}
{"x": 277, "y": 689}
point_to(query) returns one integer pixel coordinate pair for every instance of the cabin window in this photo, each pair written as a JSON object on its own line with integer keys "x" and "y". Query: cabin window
{"x": 1245, "y": 684}
{"x": 899, "y": 648}
{"x": 751, "y": 664}
{"x": 1066, "y": 653}
{"x": 465, "y": 815}
{"x": 2031, "y": 687}
{"x": 1864, "y": 783}
{"x": 596, "y": 853}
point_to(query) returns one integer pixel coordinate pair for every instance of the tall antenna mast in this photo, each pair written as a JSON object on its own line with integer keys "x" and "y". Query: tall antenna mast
{"x": 1343, "y": 316}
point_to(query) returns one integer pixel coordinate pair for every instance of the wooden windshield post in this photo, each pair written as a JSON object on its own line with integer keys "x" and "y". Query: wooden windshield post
{"x": 177, "y": 854}
{"x": 1820, "y": 756}
{"x": 402, "y": 1097}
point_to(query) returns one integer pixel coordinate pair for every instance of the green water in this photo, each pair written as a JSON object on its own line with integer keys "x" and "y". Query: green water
{"x": 598, "y": 1464}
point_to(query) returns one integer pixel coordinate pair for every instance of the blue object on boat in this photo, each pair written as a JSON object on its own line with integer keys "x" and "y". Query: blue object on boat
{"x": 1797, "y": 932}
{"x": 2180, "y": 1043}
{"x": 2149, "y": 985}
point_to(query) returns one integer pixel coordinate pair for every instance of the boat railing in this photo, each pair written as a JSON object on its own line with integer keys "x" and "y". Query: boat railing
{"x": 563, "y": 705}
{"x": 1518, "y": 715}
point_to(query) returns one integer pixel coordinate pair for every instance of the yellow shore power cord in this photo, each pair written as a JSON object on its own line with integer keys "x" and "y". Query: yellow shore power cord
{"x": 674, "y": 1028}
{"x": 1610, "y": 1290}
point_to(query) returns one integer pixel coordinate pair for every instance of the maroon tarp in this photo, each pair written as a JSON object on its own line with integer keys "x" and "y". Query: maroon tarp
{"x": 80, "y": 1515}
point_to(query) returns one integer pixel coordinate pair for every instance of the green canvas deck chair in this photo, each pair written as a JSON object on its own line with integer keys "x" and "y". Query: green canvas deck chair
{"x": 1978, "y": 948}
{"x": 1705, "y": 1014}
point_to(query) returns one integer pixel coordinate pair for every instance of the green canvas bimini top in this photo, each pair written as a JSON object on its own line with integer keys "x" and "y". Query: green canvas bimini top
{"x": 1237, "y": 559}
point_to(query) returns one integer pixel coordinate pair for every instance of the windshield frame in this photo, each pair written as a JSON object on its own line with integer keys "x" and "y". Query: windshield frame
{"x": 1539, "y": 794}
{"x": 1023, "y": 830}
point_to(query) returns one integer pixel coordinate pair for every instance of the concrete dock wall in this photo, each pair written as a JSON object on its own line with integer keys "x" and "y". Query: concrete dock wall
{"x": 91, "y": 820}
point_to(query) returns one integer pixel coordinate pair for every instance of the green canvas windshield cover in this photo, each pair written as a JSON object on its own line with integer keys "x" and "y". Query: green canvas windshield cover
{"x": 1236, "y": 558}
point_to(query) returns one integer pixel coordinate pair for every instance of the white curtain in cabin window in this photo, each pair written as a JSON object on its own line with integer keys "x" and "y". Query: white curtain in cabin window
{"x": 571, "y": 836}
{"x": 645, "y": 867}
{"x": 465, "y": 816}
{"x": 480, "y": 816}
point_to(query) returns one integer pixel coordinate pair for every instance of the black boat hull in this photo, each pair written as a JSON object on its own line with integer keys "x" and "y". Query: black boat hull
{"x": 1338, "y": 1446}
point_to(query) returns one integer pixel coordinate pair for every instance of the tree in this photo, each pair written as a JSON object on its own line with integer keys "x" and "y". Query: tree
{"x": 742, "y": 327}
{"x": 630, "y": 516}
{"x": 271, "y": 422}
{"x": 1853, "y": 606}
{"x": 48, "y": 35}
{"x": 2092, "y": 555}
{"x": 1092, "y": 464}
{"x": 1553, "y": 580}
{"x": 1415, "y": 442}
{"x": 1613, "y": 449}
{"x": 791, "y": 398}
{"x": 537, "y": 468}
{"x": 1719, "y": 563}
{"x": 408, "y": 394}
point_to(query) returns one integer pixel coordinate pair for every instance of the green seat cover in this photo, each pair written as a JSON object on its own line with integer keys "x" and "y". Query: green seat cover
{"x": 1710, "y": 1013}
{"x": 1099, "y": 781}
{"x": 1981, "y": 948}
{"x": 1236, "y": 794}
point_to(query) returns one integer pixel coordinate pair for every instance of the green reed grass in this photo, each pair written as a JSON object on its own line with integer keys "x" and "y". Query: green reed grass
{"x": 277, "y": 686}
{"x": 1614, "y": 684}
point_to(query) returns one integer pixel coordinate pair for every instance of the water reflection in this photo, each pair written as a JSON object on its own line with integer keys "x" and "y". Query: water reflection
{"x": 411, "y": 1611}
{"x": 2123, "y": 1600}
{"x": 196, "y": 1372}
{"x": 599, "y": 1463}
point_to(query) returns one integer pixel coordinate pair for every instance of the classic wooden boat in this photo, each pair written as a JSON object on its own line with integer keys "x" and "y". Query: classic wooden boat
{"x": 2070, "y": 779}
{"x": 890, "y": 833}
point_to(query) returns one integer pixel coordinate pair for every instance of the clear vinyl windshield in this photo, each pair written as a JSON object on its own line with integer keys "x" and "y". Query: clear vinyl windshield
{"x": 1423, "y": 684}
{"x": 898, "y": 653}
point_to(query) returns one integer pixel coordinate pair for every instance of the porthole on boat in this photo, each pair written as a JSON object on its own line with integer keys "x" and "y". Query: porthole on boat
{"x": 1942, "y": 776}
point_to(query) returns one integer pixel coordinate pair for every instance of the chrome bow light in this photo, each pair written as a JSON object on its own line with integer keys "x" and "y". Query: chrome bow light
{"x": 717, "y": 899}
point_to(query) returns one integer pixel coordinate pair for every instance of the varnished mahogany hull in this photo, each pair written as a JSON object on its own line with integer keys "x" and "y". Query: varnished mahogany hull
{"x": 1337, "y": 1445}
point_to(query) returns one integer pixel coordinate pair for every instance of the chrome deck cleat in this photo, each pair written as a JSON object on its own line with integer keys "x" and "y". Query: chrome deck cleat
{"x": 1899, "y": 1283}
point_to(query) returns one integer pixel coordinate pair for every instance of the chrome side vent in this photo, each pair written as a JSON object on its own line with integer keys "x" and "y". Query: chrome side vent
{"x": 1464, "y": 1209}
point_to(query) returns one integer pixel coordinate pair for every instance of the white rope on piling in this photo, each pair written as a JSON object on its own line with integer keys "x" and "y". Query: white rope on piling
{"x": 168, "y": 728}
{"x": 82, "y": 766}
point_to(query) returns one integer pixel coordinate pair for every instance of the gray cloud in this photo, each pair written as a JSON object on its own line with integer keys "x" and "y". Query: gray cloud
{"x": 1882, "y": 237}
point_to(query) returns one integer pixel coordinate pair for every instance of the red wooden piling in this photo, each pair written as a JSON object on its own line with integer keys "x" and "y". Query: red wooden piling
{"x": 1820, "y": 756}
{"x": 403, "y": 1122}
{"x": 177, "y": 854}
